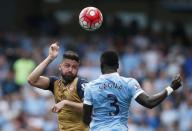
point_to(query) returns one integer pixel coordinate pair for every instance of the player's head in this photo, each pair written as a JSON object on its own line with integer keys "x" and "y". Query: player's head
{"x": 69, "y": 66}
{"x": 109, "y": 62}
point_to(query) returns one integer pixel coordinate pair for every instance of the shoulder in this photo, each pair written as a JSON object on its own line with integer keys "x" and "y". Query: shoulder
{"x": 132, "y": 83}
{"x": 129, "y": 80}
{"x": 92, "y": 83}
{"x": 52, "y": 80}
{"x": 81, "y": 81}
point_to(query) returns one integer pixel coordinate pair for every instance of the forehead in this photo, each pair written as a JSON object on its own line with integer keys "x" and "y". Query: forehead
{"x": 69, "y": 61}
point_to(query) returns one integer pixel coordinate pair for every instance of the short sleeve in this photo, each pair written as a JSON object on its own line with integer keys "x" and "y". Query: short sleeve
{"x": 87, "y": 96}
{"x": 52, "y": 80}
{"x": 81, "y": 86}
{"x": 135, "y": 88}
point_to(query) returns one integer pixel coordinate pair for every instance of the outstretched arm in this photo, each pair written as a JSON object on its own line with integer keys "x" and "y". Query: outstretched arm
{"x": 154, "y": 100}
{"x": 35, "y": 78}
{"x": 151, "y": 101}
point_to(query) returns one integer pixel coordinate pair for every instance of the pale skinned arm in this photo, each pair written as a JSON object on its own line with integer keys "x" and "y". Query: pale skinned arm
{"x": 35, "y": 79}
{"x": 78, "y": 107}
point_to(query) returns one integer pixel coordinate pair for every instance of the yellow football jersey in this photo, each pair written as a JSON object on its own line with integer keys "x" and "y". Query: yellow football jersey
{"x": 68, "y": 119}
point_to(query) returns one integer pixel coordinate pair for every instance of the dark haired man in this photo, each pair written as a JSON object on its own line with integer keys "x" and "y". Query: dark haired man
{"x": 67, "y": 90}
{"x": 107, "y": 99}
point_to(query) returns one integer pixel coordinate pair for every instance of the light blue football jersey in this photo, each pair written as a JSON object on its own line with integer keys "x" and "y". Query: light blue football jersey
{"x": 110, "y": 95}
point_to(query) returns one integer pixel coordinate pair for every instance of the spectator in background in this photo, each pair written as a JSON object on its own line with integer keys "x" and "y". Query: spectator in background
{"x": 22, "y": 67}
{"x": 185, "y": 113}
{"x": 130, "y": 61}
{"x": 188, "y": 63}
{"x": 4, "y": 67}
{"x": 9, "y": 85}
{"x": 169, "y": 115}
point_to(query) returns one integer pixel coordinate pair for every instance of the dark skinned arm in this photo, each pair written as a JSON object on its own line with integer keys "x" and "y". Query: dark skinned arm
{"x": 154, "y": 100}
{"x": 87, "y": 112}
{"x": 151, "y": 101}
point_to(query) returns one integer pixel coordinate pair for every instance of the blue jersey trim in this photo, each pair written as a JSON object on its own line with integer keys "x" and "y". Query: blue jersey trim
{"x": 80, "y": 86}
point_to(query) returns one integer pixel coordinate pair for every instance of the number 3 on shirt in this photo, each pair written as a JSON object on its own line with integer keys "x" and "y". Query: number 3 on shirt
{"x": 114, "y": 103}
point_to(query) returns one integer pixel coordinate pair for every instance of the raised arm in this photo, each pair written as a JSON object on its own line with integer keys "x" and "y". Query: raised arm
{"x": 154, "y": 100}
{"x": 35, "y": 79}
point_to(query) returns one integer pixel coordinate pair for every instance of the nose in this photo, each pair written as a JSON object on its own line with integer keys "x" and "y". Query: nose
{"x": 70, "y": 69}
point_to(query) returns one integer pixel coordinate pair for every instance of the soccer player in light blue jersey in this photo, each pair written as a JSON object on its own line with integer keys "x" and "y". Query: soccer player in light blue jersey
{"x": 107, "y": 99}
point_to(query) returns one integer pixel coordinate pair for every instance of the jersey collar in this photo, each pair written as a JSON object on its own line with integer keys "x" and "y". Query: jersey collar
{"x": 109, "y": 75}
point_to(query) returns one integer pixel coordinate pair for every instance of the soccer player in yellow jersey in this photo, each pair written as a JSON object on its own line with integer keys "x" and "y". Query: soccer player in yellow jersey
{"x": 67, "y": 90}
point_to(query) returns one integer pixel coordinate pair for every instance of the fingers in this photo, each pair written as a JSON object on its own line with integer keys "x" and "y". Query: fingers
{"x": 55, "y": 109}
{"x": 177, "y": 81}
{"x": 178, "y": 78}
{"x": 55, "y": 46}
{"x": 57, "y": 43}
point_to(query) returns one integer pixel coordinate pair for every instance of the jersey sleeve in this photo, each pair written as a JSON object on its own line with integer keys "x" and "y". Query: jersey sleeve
{"x": 135, "y": 88}
{"x": 87, "y": 96}
{"x": 52, "y": 80}
{"x": 81, "y": 86}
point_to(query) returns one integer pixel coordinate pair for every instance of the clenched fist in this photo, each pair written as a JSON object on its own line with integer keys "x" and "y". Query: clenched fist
{"x": 176, "y": 83}
{"x": 53, "y": 50}
{"x": 58, "y": 106}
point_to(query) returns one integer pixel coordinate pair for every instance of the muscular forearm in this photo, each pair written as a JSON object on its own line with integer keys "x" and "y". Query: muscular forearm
{"x": 33, "y": 77}
{"x": 151, "y": 101}
{"x": 157, "y": 99}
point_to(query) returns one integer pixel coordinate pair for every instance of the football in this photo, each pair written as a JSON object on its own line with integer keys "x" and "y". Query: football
{"x": 90, "y": 18}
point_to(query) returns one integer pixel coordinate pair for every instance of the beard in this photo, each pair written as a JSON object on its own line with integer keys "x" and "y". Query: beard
{"x": 68, "y": 78}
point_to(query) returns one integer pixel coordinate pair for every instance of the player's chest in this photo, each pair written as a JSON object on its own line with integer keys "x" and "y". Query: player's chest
{"x": 67, "y": 92}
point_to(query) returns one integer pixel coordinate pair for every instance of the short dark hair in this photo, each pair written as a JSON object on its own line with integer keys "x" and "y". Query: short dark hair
{"x": 71, "y": 55}
{"x": 110, "y": 59}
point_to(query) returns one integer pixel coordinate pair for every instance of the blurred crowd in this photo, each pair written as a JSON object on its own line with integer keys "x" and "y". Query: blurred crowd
{"x": 151, "y": 56}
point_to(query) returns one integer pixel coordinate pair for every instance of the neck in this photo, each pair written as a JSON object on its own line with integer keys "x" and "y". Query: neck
{"x": 66, "y": 81}
{"x": 109, "y": 71}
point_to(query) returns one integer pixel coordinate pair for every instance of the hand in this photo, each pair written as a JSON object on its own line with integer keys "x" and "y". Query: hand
{"x": 53, "y": 50}
{"x": 176, "y": 83}
{"x": 57, "y": 107}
